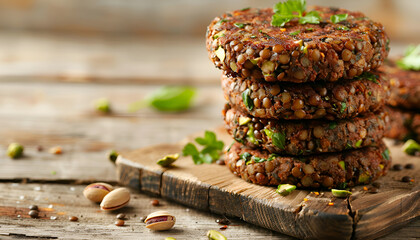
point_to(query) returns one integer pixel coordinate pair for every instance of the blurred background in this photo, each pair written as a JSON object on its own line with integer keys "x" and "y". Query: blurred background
{"x": 126, "y": 40}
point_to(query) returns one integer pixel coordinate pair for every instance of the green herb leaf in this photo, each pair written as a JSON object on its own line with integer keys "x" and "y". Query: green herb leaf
{"x": 309, "y": 29}
{"x": 344, "y": 28}
{"x": 332, "y": 125}
{"x": 167, "y": 99}
{"x": 368, "y": 76}
{"x": 239, "y": 25}
{"x": 338, "y": 18}
{"x": 246, "y": 98}
{"x": 279, "y": 140}
{"x": 411, "y": 59}
{"x": 294, "y": 33}
{"x": 343, "y": 107}
{"x": 286, "y": 11}
{"x": 311, "y": 17}
{"x": 358, "y": 143}
{"x": 385, "y": 154}
{"x": 212, "y": 148}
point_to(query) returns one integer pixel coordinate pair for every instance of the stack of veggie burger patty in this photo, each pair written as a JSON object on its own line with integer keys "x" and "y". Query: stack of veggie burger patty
{"x": 404, "y": 102}
{"x": 305, "y": 96}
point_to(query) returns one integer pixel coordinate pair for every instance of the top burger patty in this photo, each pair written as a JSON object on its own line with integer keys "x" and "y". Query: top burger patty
{"x": 244, "y": 43}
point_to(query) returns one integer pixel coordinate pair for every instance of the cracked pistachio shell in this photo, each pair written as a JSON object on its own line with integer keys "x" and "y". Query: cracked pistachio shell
{"x": 160, "y": 220}
{"x": 116, "y": 199}
{"x": 97, "y": 191}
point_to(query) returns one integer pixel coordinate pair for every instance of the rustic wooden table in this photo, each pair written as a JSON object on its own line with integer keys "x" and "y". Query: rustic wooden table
{"x": 47, "y": 85}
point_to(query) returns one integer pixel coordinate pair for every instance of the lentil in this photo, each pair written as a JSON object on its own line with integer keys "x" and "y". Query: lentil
{"x": 73, "y": 219}
{"x": 119, "y": 223}
{"x": 33, "y": 207}
{"x": 409, "y": 166}
{"x": 120, "y": 216}
{"x": 397, "y": 167}
{"x": 155, "y": 202}
{"x": 33, "y": 213}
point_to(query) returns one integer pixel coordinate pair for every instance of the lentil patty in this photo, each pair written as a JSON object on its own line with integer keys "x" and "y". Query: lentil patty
{"x": 403, "y": 125}
{"x": 244, "y": 43}
{"x": 405, "y": 86}
{"x": 343, "y": 99}
{"x": 332, "y": 170}
{"x": 306, "y": 136}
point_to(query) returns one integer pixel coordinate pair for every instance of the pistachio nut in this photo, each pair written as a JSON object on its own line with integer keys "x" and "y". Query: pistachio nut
{"x": 168, "y": 160}
{"x": 160, "y": 220}
{"x": 215, "y": 235}
{"x": 97, "y": 191}
{"x": 116, "y": 199}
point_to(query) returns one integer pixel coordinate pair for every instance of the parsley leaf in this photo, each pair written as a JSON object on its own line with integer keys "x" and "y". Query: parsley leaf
{"x": 311, "y": 17}
{"x": 368, "y": 76}
{"x": 212, "y": 148}
{"x": 246, "y": 98}
{"x": 411, "y": 59}
{"x": 167, "y": 99}
{"x": 286, "y": 11}
{"x": 294, "y": 33}
{"x": 279, "y": 140}
{"x": 385, "y": 154}
{"x": 343, "y": 107}
{"x": 338, "y": 18}
{"x": 239, "y": 25}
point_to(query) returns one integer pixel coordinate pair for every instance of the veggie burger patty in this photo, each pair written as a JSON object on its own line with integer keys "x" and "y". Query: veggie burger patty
{"x": 244, "y": 43}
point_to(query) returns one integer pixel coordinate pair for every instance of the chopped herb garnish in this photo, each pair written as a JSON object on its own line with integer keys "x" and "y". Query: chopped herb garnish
{"x": 222, "y": 20}
{"x": 385, "y": 154}
{"x": 246, "y": 156}
{"x": 410, "y": 147}
{"x": 368, "y": 76}
{"x": 344, "y": 28}
{"x": 294, "y": 33}
{"x": 411, "y": 59}
{"x": 370, "y": 93}
{"x": 311, "y": 17}
{"x": 338, "y": 18}
{"x": 348, "y": 146}
{"x": 309, "y": 29}
{"x": 167, "y": 99}
{"x": 246, "y": 98}
{"x": 244, "y": 9}
{"x": 333, "y": 125}
{"x": 358, "y": 143}
{"x": 239, "y": 25}
{"x": 258, "y": 159}
{"x": 343, "y": 107}
{"x": 279, "y": 140}
{"x": 342, "y": 185}
{"x": 286, "y": 11}
{"x": 212, "y": 149}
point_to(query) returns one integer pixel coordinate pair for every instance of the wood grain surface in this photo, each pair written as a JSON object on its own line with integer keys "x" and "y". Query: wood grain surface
{"x": 302, "y": 214}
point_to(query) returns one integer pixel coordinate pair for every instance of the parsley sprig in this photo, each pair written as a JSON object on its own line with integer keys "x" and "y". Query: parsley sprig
{"x": 284, "y": 12}
{"x": 411, "y": 59}
{"x": 212, "y": 148}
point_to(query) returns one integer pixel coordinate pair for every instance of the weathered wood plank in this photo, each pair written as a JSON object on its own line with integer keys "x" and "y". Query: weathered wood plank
{"x": 63, "y": 201}
{"x": 301, "y": 214}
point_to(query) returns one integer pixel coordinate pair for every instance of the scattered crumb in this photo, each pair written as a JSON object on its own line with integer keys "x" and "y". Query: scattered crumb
{"x": 330, "y": 204}
{"x": 56, "y": 150}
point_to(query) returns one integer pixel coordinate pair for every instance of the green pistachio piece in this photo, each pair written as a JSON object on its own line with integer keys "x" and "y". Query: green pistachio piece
{"x": 15, "y": 150}
{"x": 254, "y": 61}
{"x": 342, "y": 165}
{"x": 170, "y": 238}
{"x": 411, "y": 147}
{"x": 244, "y": 120}
{"x": 268, "y": 67}
{"x": 113, "y": 156}
{"x": 103, "y": 105}
{"x": 340, "y": 193}
{"x": 285, "y": 189}
{"x": 168, "y": 160}
{"x": 220, "y": 53}
{"x": 215, "y": 235}
{"x": 364, "y": 177}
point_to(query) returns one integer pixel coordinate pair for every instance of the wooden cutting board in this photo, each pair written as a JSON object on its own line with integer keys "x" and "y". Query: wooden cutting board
{"x": 302, "y": 214}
